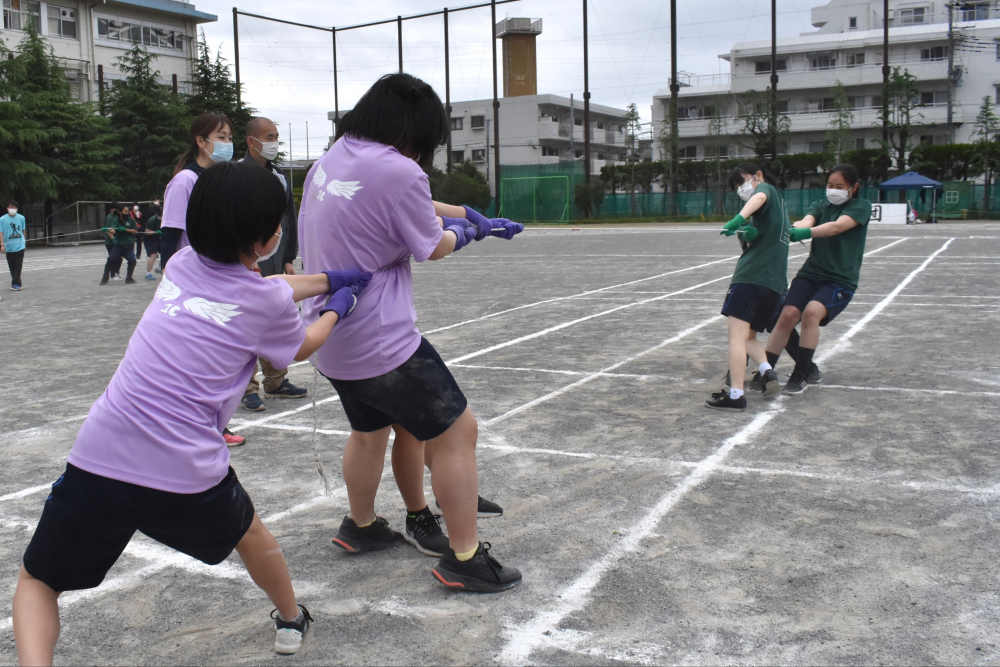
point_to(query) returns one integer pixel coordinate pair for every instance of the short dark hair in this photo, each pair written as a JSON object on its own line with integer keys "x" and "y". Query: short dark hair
{"x": 400, "y": 111}
{"x": 848, "y": 171}
{"x": 233, "y": 206}
{"x": 13, "y": 203}
{"x": 115, "y": 206}
{"x": 739, "y": 175}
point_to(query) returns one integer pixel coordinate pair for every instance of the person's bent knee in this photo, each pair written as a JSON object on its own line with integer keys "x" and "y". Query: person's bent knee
{"x": 813, "y": 314}
{"x": 790, "y": 316}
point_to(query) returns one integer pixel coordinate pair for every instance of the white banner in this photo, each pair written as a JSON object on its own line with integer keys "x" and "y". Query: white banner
{"x": 888, "y": 214}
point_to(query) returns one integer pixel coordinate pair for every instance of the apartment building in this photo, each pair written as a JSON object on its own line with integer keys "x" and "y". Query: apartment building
{"x": 847, "y": 48}
{"x": 534, "y": 129}
{"x": 87, "y": 37}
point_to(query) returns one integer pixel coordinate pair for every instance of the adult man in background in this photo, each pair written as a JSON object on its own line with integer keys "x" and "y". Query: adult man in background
{"x": 12, "y": 243}
{"x": 262, "y": 149}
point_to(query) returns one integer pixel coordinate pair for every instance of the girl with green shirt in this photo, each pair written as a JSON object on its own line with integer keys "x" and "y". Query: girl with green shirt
{"x": 838, "y": 226}
{"x": 760, "y": 278}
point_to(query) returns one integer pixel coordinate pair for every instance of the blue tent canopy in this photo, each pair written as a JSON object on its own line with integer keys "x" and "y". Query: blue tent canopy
{"x": 911, "y": 180}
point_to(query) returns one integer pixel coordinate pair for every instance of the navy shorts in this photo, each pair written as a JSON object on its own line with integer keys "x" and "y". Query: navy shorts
{"x": 751, "y": 303}
{"x": 833, "y": 296}
{"x": 88, "y": 521}
{"x": 421, "y": 395}
{"x": 151, "y": 242}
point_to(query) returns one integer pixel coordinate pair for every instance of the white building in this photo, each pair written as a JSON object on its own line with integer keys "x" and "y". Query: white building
{"x": 534, "y": 129}
{"x": 847, "y": 48}
{"x": 88, "y": 35}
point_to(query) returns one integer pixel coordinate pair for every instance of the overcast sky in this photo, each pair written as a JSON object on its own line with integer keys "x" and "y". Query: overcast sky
{"x": 287, "y": 71}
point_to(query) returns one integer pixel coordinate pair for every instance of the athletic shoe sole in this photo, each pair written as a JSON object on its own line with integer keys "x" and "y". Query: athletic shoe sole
{"x": 794, "y": 393}
{"x": 267, "y": 395}
{"x": 260, "y": 409}
{"x": 364, "y": 545}
{"x": 416, "y": 545}
{"x": 460, "y": 582}
{"x": 719, "y": 407}
{"x": 482, "y": 515}
{"x": 772, "y": 387}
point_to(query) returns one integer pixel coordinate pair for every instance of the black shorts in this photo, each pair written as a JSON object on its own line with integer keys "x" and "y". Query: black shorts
{"x": 88, "y": 521}
{"x": 151, "y": 242}
{"x": 751, "y": 303}
{"x": 421, "y": 396}
{"x": 833, "y": 296}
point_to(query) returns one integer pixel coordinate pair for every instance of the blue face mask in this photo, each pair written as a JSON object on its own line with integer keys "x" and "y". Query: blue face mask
{"x": 222, "y": 151}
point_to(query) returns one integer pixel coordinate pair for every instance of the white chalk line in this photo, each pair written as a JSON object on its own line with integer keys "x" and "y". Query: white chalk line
{"x": 910, "y": 390}
{"x": 524, "y": 639}
{"x": 239, "y": 424}
{"x": 548, "y": 370}
{"x": 25, "y": 492}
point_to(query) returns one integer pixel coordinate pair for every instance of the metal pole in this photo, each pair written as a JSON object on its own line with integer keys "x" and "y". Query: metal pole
{"x": 572, "y": 124}
{"x": 772, "y": 120}
{"x": 885, "y": 89}
{"x": 951, "y": 71}
{"x": 236, "y": 54}
{"x": 447, "y": 95}
{"x": 336, "y": 98}
{"x": 586, "y": 101}
{"x": 173, "y": 84}
{"x": 496, "y": 106}
{"x": 675, "y": 88}
{"x": 100, "y": 88}
{"x": 399, "y": 40}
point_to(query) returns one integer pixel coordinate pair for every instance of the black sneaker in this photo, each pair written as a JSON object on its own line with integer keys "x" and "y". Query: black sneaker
{"x": 485, "y": 510}
{"x": 481, "y": 573}
{"x": 424, "y": 532}
{"x": 796, "y": 384}
{"x": 770, "y": 385}
{"x": 754, "y": 384}
{"x": 287, "y": 390}
{"x": 288, "y": 634}
{"x": 722, "y": 401}
{"x": 375, "y": 537}
{"x": 814, "y": 377}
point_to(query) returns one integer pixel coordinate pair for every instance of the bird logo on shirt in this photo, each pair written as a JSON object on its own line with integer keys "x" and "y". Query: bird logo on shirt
{"x": 167, "y": 291}
{"x": 345, "y": 189}
{"x": 220, "y": 313}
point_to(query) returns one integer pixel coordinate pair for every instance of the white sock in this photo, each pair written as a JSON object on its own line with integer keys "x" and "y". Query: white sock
{"x": 765, "y": 367}
{"x": 735, "y": 393}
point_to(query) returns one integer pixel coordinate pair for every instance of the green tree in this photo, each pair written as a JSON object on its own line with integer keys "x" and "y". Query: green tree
{"x": 756, "y": 130}
{"x": 464, "y": 186}
{"x": 868, "y": 162}
{"x": 632, "y": 158}
{"x": 718, "y": 136}
{"x": 946, "y": 162}
{"x": 987, "y": 129}
{"x": 839, "y": 135}
{"x": 803, "y": 166}
{"x": 214, "y": 90}
{"x": 903, "y": 97}
{"x": 151, "y": 126}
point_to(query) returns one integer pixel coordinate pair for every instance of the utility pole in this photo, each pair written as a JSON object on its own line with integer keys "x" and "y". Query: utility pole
{"x": 236, "y": 53}
{"x": 572, "y": 125}
{"x": 307, "y": 141}
{"x": 675, "y": 89}
{"x": 885, "y": 90}
{"x": 496, "y": 108}
{"x": 586, "y": 100}
{"x": 447, "y": 102}
{"x": 772, "y": 119}
{"x": 336, "y": 97}
{"x": 399, "y": 41}
{"x": 951, "y": 71}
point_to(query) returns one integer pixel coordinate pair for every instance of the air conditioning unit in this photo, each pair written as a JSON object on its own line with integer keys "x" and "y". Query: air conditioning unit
{"x": 115, "y": 24}
{"x": 162, "y": 31}
{"x": 67, "y": 13}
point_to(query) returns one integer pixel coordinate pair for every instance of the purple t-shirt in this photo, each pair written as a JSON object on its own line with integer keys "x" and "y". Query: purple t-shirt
{"x": 366, "y": 206}
{"x": 175, "y": 203}
{"x": 159, "y": 423}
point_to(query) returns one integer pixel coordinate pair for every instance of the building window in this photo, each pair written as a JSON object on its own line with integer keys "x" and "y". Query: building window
{"x": 934, "y": 98}
{"x": 121, "y": 31}
{"x": 998, "y": 95}
{"x": 927, "y": 139}
{"x": 479, "y": 154}
{"x": 859, "y": 144}
{"x": 456, "y": 123}
{"x": 578, "y": 153}
{"x": 457, "y": 156}
{"x": 852, "y": 23}
{"x": 764, "y": 66}
{"x": 600, "y": 156}
{"x": 855, "y": 59}
{"x": 856, "y": 102}
{"x": 716, "y": 151}
{"x": 823, "y": 62}
{"x": 877, "y": 101}
{"x": 951, "y": 196}
{"x": 975, "y": 11}
{"x": 688, "y": 152}
{"x": 912, "y": 16}
{"x": 548, "y": 151}
{"x": 934, "y": 53}
{"x": 827, "y": 104}
{"x": 62, "y": 21}
{"x": 479, "y": 122}
{"x": 600, "y": 126}
{"x": 782, "y": 106}
{"x": 17, "y": 14}
{"x": 816, "y": 146}
{"x": 708, "y": 111}
{"x": 578, "y": 122}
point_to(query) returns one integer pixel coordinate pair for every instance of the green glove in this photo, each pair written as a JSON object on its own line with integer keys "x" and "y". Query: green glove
{"x": 121, "y": 229}
{"x": 749, "y": 233}
{"x": 799, "y": 234}
{"x": 728, "y": 232}
{"x": 733, "y": 224}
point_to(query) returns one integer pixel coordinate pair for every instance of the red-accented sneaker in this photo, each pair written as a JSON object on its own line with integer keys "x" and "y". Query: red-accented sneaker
{"x": 233, "y": 440}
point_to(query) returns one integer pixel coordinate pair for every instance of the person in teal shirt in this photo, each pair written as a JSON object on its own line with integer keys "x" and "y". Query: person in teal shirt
{"x": 760, "y": 278}
{"x": 124, "y": 239}
{"x": 12, "y": 243}
{"x": 838, "y": 227}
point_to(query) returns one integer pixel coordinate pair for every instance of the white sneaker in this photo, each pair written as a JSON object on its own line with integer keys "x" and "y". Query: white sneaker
{"x": 288, "y": 634}
{"x": 116, "y": 277}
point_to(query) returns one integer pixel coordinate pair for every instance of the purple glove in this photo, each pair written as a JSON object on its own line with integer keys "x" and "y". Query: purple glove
{"x": 463, "y": 230}
{"x": 340, "y": 279}
{"x": 499, "y": 227}
{"x": 342, "y": 301}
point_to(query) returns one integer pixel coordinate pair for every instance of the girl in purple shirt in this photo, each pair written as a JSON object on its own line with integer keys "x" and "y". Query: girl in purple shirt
{"x": 367, "y": 204}
{"x": 152, "y": 457}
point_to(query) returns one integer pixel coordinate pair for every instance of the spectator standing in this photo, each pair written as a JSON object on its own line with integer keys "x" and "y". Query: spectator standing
{"x": 140, "y": 227}
{"x": 12, "y": 243}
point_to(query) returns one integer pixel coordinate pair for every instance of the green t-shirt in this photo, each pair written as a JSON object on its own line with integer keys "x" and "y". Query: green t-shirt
{"x": 111, "y": 222}
{"x": 123, "y": 239}
{"x": 765, "y": 261}
{"x": 153, "y": 224}
{"x": 838, "y": 258}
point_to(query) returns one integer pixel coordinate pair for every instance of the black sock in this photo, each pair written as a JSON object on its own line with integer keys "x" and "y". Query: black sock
{"x": 792, "y": 346}
{"x": 804, "y": 360}
{"x": 772, "y": 358}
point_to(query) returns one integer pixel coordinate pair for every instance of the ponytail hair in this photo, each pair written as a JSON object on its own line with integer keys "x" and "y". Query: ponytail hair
{"x": 739, "y": 175}
{"x": 203, "y": 125}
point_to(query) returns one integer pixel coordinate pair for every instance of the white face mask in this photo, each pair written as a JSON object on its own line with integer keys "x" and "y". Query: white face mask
{"x": 135, "y": 208}
{"x": 156, "y": 202}
{"x": 268, "y": 149}
{"x": 745, "y": 191}
{"x": 12, "y": 211}
{"x": 838, "y": 197}
{"x": 261, "y": 258}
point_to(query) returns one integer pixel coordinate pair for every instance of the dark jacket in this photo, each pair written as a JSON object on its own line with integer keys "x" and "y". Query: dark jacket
{"x": 288, "y": 247}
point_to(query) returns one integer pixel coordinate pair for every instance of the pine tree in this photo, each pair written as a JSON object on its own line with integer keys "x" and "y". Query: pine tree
{"x": 78, "y": 153}
{"x": 215, "y": 91}
{"x": 151, "y": 126}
